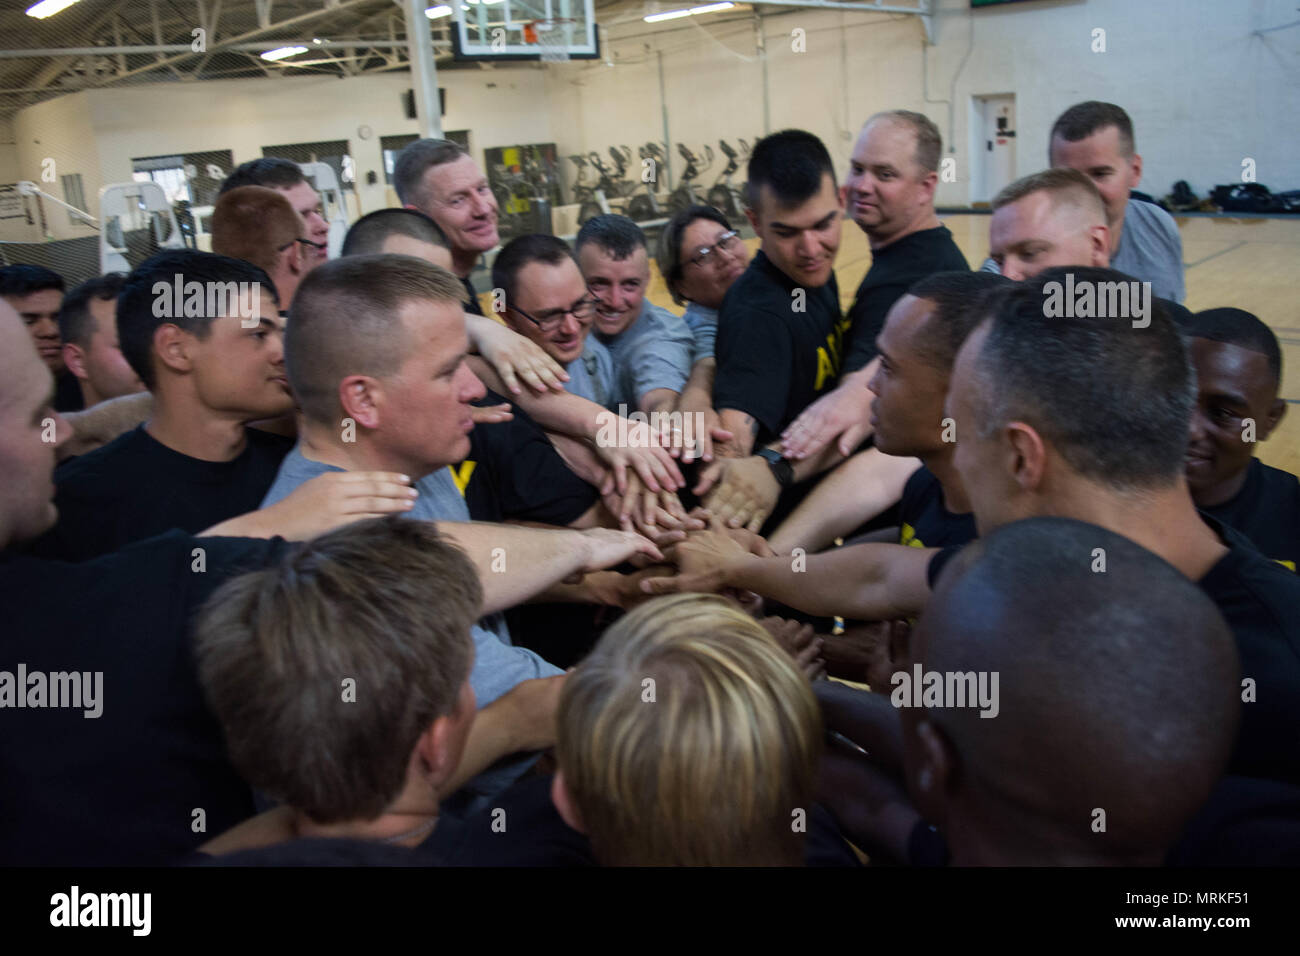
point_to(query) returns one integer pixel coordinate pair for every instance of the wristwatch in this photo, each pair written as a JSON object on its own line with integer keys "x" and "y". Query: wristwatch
{"x": 782, "y": 470}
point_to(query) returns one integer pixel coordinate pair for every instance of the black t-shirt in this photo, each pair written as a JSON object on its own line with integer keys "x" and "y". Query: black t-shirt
{"x": 774, "y": 361}
{"x": 67, "y": 393}
{"x": 1267, "y": 511}
{"x": 135, "y": 487}
{"x": 513, "y": 472}
{"x": 893, "y": 270}
{"x": 536, "y": 834}
{"x": 924, "y": 522}
{"x": 472, "y": 306}
{"x": 1260, "y": 600}
{"x": 120, "y": 788}
{"x": 1246, "y": 822}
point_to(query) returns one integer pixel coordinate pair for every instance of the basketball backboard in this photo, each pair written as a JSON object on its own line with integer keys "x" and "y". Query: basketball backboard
{"x": 546, "y": 30}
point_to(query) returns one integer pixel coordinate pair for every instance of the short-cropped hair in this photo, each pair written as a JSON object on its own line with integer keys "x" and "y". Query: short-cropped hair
{"x": 1064, "y": 185}
{"x": 669, "y": 256}
{"x": 1114, "y": 400}
{"x": 256, "y": 224}
{"x": 523, "y": 251}
{"x": 791, "y": 164}
{"x": 689, "y": 738}
{"x": 326, "y": 668}
{"x": 1242, "y": 329}
{"x": 957, "y": 298}
{"x": 23, "y": 279}
{"x": 268, "y": 171}
{"x": 417, "y": 158}
{"x": 346, "y": 320}
{"x": 76, "y": 325}
{"x": 617, "y": 236}
{"x": 369, "y": 233}
{"x": 929, "y": 142}
{"x": 137, "y": 318}
{"x": 1083, "y": 119}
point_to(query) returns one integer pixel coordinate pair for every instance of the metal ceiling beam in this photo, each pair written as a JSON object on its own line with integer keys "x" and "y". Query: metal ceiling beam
{"x": 299, "y": 20}
{"x": 77, "y": 51}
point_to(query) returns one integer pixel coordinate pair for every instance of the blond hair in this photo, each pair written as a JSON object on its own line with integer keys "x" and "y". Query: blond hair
{"x": 688, "y": 737}
{"x": 1066, "y": 186}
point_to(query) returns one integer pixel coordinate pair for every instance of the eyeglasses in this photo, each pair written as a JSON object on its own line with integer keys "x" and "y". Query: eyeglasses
{"x": 306, "y": 242}
{"x": 550, "y": 320}
{"x": 707, "y": 255}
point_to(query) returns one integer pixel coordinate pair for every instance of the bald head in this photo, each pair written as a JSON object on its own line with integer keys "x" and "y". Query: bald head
{"x": 1118, "y": 693}
{"x": 1053, "y": 218}
{"x": 30, "y": 433}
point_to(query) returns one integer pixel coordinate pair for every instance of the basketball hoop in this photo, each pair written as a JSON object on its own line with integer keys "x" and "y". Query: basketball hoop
{"x": 553, "y": 37}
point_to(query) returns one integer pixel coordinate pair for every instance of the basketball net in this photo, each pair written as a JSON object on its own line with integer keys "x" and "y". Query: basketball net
{"x": 552, "y": 38}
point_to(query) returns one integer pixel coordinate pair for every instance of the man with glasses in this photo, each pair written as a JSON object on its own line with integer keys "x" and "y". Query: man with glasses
{"x": 286, "y": 177}
{"x": 548, "y": 302}
{"x": 440, "y": 179}
{"x": 259, "y": 225}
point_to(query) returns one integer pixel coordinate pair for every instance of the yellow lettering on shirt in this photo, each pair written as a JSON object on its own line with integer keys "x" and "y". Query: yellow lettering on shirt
{"x": 1289, "y": 565}
{"x": 830, "y": 355}
{"x": 907, "y": 536}
{"x": 460, "y": 474}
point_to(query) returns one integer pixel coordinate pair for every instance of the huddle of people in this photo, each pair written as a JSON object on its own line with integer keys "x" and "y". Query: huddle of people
{"x": 318, "y": 561}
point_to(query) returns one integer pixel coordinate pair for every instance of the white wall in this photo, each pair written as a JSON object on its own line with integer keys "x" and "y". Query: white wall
{"x": 1203, "y": 92}
{"x": 60, "y": 130}
{"x": 8, "y": 153}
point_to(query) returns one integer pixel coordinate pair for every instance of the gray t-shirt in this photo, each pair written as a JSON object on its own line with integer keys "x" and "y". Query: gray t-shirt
{"x": 653, "y": 352}
{"x": 591, "y": 375}
{"x": 703, "y": 323}
{"x": 498, "y": 665}
{"x": 1150, "y": 250}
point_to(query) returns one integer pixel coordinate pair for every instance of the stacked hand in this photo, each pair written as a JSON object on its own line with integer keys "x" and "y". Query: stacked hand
{"x": 740, "y": 491}
{"x": 515, "y": 357}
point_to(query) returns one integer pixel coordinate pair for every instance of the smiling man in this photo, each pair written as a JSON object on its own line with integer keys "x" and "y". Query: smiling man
{"x": 651, "y": 347}
{"x": 1097, "y": 140}
{"x": 440, "y": 179}
{"x": 1238, "y": 372}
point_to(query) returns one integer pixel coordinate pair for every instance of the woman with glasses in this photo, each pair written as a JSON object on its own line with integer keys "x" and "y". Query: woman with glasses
{"x": 700, "y": 256}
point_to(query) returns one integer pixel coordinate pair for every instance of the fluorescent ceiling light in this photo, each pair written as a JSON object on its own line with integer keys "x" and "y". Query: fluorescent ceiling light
{"x": 670, "y": 15}
{"x": 433, "y": 13}
{"x": 713, "y": 7}
{"x": 48, "y": 8}
{"x": 281, "y": 53}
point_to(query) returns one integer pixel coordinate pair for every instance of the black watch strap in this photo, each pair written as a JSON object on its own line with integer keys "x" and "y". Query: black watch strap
{"x": 782, "y": 470}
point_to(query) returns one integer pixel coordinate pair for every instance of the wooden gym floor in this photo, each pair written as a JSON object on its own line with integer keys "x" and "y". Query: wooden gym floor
{"x": 1251, "y": 264}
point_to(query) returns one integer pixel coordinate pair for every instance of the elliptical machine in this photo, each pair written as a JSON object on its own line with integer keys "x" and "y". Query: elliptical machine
{"x": 724, "y": 195}
{"x": 643, "y": 206}
{"x": 684, "y": 195}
